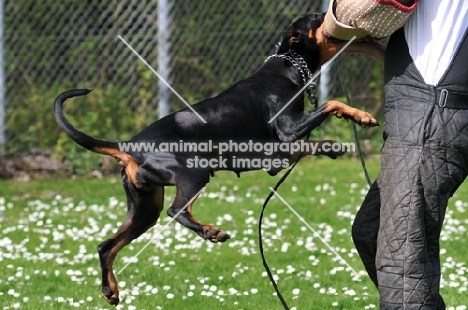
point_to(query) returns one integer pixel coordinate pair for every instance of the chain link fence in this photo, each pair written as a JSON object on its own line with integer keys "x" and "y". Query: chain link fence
{"x": 52, "y": 46}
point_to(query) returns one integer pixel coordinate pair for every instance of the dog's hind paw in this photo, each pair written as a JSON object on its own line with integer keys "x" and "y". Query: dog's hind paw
{"x": 214, "y": 234}
{"x": 110, "y": 298}
{"x": 330, "y": 148}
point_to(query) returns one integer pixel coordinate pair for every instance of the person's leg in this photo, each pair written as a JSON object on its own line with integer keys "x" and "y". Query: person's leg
{"x": 365, "y": 229}
{"x": 401, "y": 232}
{"x": 400, "y": 242}
{"x": 423, "y": 162}
{"x": 444, "y": 168}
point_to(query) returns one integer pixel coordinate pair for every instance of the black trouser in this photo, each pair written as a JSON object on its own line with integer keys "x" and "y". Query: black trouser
{"x": 424, "y": 160}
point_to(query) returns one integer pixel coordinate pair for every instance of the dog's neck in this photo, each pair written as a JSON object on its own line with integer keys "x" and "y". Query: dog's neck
{"x": 300, "y": 64}
{"x": 297, "y": 61}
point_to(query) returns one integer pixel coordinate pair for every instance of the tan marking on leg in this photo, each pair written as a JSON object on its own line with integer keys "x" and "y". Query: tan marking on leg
{"x": 189, "y": 210}
{"x": 125, "y": 160}
{"x": 120, "y": 235}
{"x": 207, "y": 228}
{"x": 339, "y": 109}
{"x": 126, "y": 234}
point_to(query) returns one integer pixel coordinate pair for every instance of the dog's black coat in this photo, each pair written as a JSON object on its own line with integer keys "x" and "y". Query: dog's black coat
{"x": 240, "y": 114}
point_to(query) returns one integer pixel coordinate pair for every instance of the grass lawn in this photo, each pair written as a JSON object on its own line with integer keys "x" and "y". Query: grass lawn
{"x": 49, "y": 231}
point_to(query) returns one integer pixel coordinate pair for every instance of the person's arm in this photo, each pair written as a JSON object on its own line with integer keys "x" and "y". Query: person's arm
{"x": 372, "y": 49}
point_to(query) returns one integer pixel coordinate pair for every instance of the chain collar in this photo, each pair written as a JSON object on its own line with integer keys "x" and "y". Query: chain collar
{"x": 297, "y": 61}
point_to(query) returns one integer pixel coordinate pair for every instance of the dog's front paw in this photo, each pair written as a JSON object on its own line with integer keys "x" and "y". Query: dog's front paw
{"x": 214, "y": 234}
{"x": 364, "y": 119}
{"x": 341, "y": 110}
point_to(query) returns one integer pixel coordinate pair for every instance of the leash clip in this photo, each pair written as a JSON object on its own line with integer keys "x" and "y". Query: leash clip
{"x": 443, "y": 98}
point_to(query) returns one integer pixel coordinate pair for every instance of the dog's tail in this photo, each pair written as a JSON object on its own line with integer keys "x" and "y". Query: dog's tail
{"x": 83, "y": 139}
{"x": 91, "y": 143}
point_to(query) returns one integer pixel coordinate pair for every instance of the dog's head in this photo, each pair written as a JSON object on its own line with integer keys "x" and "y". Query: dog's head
{"x": 305, "y": 37}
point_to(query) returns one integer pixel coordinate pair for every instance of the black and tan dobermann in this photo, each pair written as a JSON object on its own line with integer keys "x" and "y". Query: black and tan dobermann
{"x": 241, "y": 113}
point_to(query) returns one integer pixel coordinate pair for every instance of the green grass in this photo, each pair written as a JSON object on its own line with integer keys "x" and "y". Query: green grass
{"x": 49, "y": 230}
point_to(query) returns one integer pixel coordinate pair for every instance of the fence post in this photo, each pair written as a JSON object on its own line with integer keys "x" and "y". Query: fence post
{"x": 164, "y": 57}
{"x": 2, "y": 82}
{"x": 325, "y": 75}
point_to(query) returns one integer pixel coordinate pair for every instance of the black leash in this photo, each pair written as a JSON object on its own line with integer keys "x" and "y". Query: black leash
{"x": 314, "y": 101}
{"x": 356, "y": 136}
{"x": 260, "y": 242}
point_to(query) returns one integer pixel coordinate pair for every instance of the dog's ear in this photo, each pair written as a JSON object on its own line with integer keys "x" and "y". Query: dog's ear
{"x": 289, "y": 39}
